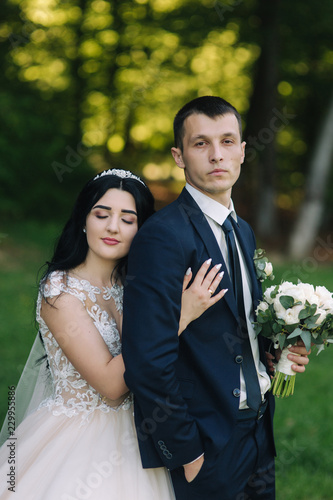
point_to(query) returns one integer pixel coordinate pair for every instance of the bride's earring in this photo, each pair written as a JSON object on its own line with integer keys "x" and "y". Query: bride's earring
{"x": 84, "y": 230}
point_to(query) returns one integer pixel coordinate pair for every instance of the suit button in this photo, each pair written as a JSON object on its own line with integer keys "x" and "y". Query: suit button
{"x": 239, "y": 359}
{"x": 236, "y": 393}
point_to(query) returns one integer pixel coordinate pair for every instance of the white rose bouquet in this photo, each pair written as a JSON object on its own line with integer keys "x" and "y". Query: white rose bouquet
{"x": 290, "y": 312}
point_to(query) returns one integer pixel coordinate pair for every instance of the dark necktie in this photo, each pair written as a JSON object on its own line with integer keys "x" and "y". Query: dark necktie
{"x": 249, "y": 369}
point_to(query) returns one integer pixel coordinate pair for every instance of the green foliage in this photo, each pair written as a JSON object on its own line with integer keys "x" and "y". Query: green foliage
{"x": 287, "y": 301}
{"x": 97, "y": 83}
{"x": 87, "y": 85}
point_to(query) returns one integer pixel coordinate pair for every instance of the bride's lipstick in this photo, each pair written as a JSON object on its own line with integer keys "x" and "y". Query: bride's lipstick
{"x": 110, "y": 241}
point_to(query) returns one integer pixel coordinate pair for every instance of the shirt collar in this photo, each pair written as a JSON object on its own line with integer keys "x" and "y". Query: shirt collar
{"x": 210, "y": 207}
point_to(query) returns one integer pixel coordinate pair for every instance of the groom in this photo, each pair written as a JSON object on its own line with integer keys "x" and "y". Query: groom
{"x": 202, "y": 406}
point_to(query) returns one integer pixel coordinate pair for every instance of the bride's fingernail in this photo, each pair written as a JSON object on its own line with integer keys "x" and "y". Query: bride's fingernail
{"x": 221, "y": 274}
{"x": 218, "y": 266}
{"x": 209, "y": 261}
{"x": 225, "y": 290}
{"x": 188, "y": 271}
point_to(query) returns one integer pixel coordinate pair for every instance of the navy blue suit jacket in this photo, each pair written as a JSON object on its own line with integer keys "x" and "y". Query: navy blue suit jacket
{"x": 184, "y": 387}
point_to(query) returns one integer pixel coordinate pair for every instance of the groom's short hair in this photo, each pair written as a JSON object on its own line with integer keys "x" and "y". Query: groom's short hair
{"x": 208, "y": 105}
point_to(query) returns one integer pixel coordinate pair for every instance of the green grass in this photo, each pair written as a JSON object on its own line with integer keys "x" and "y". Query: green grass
{"x": 23, "y": 250}
{"x": 303, "y": 429}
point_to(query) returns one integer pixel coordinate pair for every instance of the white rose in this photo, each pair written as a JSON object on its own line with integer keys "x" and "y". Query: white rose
{"x": 268, "y": 269}
{"x": 286, "y": 285}
{"x": 309, "y": 292}
{"x": 323, "y": 294}
{"x": 322, "y": 316}
{"x": 296, "y": 292}
{"x": 291, "y": 317}
{"x": 280, "y": 311}
{"x": 263, "y": 306}
{"x": 328, "y": 306}
{"x": 267, "y": 294}
{"x": 314, "y": 300}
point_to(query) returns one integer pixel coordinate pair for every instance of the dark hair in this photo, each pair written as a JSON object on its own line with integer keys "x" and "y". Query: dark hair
{"x": 72, "y": 247}
{"x": 208, "y": 105}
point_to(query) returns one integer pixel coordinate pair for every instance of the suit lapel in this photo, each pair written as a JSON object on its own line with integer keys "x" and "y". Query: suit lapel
{"x": 198, "y": 220}
{"x": 191, "y": 211}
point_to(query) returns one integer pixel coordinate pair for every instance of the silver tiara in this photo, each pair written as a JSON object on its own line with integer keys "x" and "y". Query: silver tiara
{"x": 124, "y": 174}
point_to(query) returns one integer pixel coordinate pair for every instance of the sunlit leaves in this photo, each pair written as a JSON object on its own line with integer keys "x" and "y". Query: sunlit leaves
{"x": 129, "y": 68}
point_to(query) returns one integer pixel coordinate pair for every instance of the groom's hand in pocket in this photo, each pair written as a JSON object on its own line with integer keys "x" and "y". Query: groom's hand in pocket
{"x": 192, "y": 470}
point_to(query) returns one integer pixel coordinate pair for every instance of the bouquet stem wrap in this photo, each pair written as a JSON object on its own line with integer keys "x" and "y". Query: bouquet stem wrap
{"x": 283, "y": 382}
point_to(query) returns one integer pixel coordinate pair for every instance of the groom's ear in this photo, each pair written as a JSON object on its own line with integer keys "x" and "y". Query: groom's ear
{"x": 177, "y": 156}
{"x": 243, "y": 151}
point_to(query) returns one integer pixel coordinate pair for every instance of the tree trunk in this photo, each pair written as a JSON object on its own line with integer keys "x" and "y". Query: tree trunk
{"x": 260, "y": 135}
{"x": 311, "y": 212}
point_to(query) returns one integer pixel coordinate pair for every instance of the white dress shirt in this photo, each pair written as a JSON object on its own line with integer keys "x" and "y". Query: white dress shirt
{"x": 216, "y": 214}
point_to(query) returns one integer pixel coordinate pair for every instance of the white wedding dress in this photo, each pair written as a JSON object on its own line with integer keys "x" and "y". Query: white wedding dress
{"x": 75, "y": 445}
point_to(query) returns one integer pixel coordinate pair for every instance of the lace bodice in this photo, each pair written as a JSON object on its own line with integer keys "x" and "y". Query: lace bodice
{"x": 72, "y": 395}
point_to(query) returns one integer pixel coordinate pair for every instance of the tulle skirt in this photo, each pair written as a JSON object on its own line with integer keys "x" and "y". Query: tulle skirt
{"x": 54, "y": 458}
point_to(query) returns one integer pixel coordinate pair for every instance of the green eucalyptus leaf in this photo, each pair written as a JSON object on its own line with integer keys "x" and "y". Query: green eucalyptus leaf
{"x": 317, "y": 341}
{"x": 287, "y": 301}
{"x": 281, "y": 339}
{"x": 306, "y": 337}
{"x": 261, "y": 318}
{"x": 277, "y": 328}
{"x": 304, "y": 313}
{"x": 311, "y": 323}
{"x": 280, "y": 321}
{"x": 296, "y": 333}
{"x": 313, "y": 308}
{"x": 291, "y": 328}
{"x": 257, "y": 328}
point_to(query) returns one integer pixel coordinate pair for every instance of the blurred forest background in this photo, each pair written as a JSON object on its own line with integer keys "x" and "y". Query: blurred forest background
{"x": 93, "y": 84}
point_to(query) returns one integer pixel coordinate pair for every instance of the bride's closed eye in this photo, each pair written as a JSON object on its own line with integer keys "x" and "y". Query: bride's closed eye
{"x": 128, "y": 221}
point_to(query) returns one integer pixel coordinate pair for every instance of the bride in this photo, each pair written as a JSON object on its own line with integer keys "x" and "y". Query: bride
{"x": 75, "y": 436}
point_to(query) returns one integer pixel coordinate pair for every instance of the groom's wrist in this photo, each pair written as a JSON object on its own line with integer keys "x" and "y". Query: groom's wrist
{"x": 192, "y": 469}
